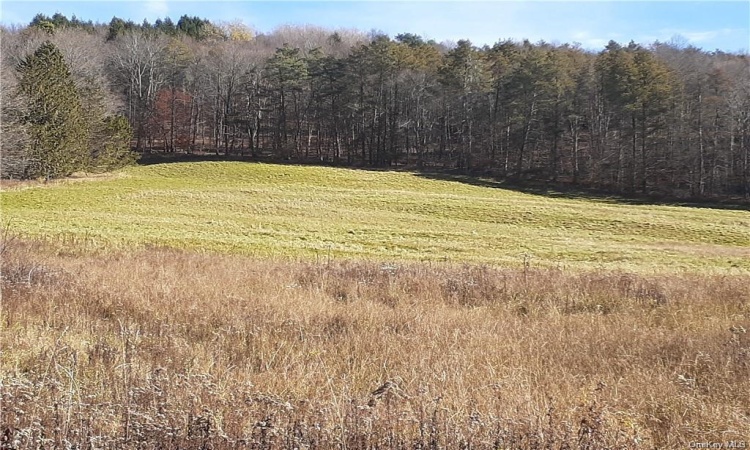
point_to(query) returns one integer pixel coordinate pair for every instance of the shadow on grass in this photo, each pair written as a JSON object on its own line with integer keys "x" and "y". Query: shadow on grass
{"x": 571, "y": 192}
{"x": 149, "y": 159}
{"x": 528, "y": 187}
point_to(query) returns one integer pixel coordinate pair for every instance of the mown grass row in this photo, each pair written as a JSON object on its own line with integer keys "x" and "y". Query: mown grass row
{"x": 313, "y": 212}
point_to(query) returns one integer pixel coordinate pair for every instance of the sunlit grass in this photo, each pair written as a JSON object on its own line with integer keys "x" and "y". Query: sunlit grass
{"x": 160, "y": 348}
{"x": 313, "y": 212}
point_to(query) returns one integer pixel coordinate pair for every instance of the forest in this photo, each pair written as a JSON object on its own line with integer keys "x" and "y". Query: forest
{"x": 661, "y": 120}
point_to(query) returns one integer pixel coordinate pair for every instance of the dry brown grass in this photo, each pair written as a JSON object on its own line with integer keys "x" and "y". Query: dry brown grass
{"x": 168, "y": 349}
{"x": 15, "y": 184}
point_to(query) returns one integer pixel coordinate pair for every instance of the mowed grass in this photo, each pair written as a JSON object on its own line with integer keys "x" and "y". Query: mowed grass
{"x": 314, "y": 212}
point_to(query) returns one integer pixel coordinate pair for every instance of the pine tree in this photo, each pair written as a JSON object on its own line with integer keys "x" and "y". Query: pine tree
{"x": 109, "y": 135}
{"x": 113, "y": 147}
{"x": 466, "y": 78}
{"x": 55, "y": 119}
{"x": 287, "y": 71}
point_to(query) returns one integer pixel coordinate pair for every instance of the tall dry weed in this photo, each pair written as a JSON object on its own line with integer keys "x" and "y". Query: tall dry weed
{"x": 166, "y": 349}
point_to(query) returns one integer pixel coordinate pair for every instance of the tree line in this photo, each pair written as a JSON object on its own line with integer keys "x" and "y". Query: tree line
{"x": 665, "y": 119}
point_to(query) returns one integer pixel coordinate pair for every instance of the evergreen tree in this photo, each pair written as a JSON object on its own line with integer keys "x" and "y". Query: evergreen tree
{"x": 118, "y": 26}
{"x": 287, "y": 71}
{"x": 43, "y": 23}
{"x": 465, "y": 77}
{"x": 109, "y": 135}
{"x": 194, "y": 27}
{"x": 112, "y": 149}
{"x": 55, "y": 119}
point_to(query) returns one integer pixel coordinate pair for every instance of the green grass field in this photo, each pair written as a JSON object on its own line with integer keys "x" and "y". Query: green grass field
{"x": 313, "y": 212}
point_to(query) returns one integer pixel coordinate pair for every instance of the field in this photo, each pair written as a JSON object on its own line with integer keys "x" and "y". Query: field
{"x": 309, "y": 212}
{"x": 229, "y": 305}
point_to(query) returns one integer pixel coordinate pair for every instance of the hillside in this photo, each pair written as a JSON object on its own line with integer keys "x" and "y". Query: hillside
{"x": 295, "y": 312}
{"x": 312, "y": 213}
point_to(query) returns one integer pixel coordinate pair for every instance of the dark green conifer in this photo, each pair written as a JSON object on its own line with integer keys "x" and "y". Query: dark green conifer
{"x": 57, "y": 129}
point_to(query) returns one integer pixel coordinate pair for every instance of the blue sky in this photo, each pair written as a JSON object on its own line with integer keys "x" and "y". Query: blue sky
{"x": 711, "y": 25}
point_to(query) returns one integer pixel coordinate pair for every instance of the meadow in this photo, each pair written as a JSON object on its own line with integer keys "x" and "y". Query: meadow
{"x": 311, "y": 212}
{"x": 231, "y": 305}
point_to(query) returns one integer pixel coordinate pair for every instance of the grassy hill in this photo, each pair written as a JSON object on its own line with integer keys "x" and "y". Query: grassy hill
{"x": 116, "y": 342}
{"x": 313, "y": 212}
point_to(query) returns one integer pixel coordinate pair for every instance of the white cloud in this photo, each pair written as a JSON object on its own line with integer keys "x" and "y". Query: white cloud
{"x": 697, "y": 37}
{"x": 700, "y": 36}
{"x": 155, "y": 9}
{"x": 480, "y": 22}
{"x": 729, "y": 39}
